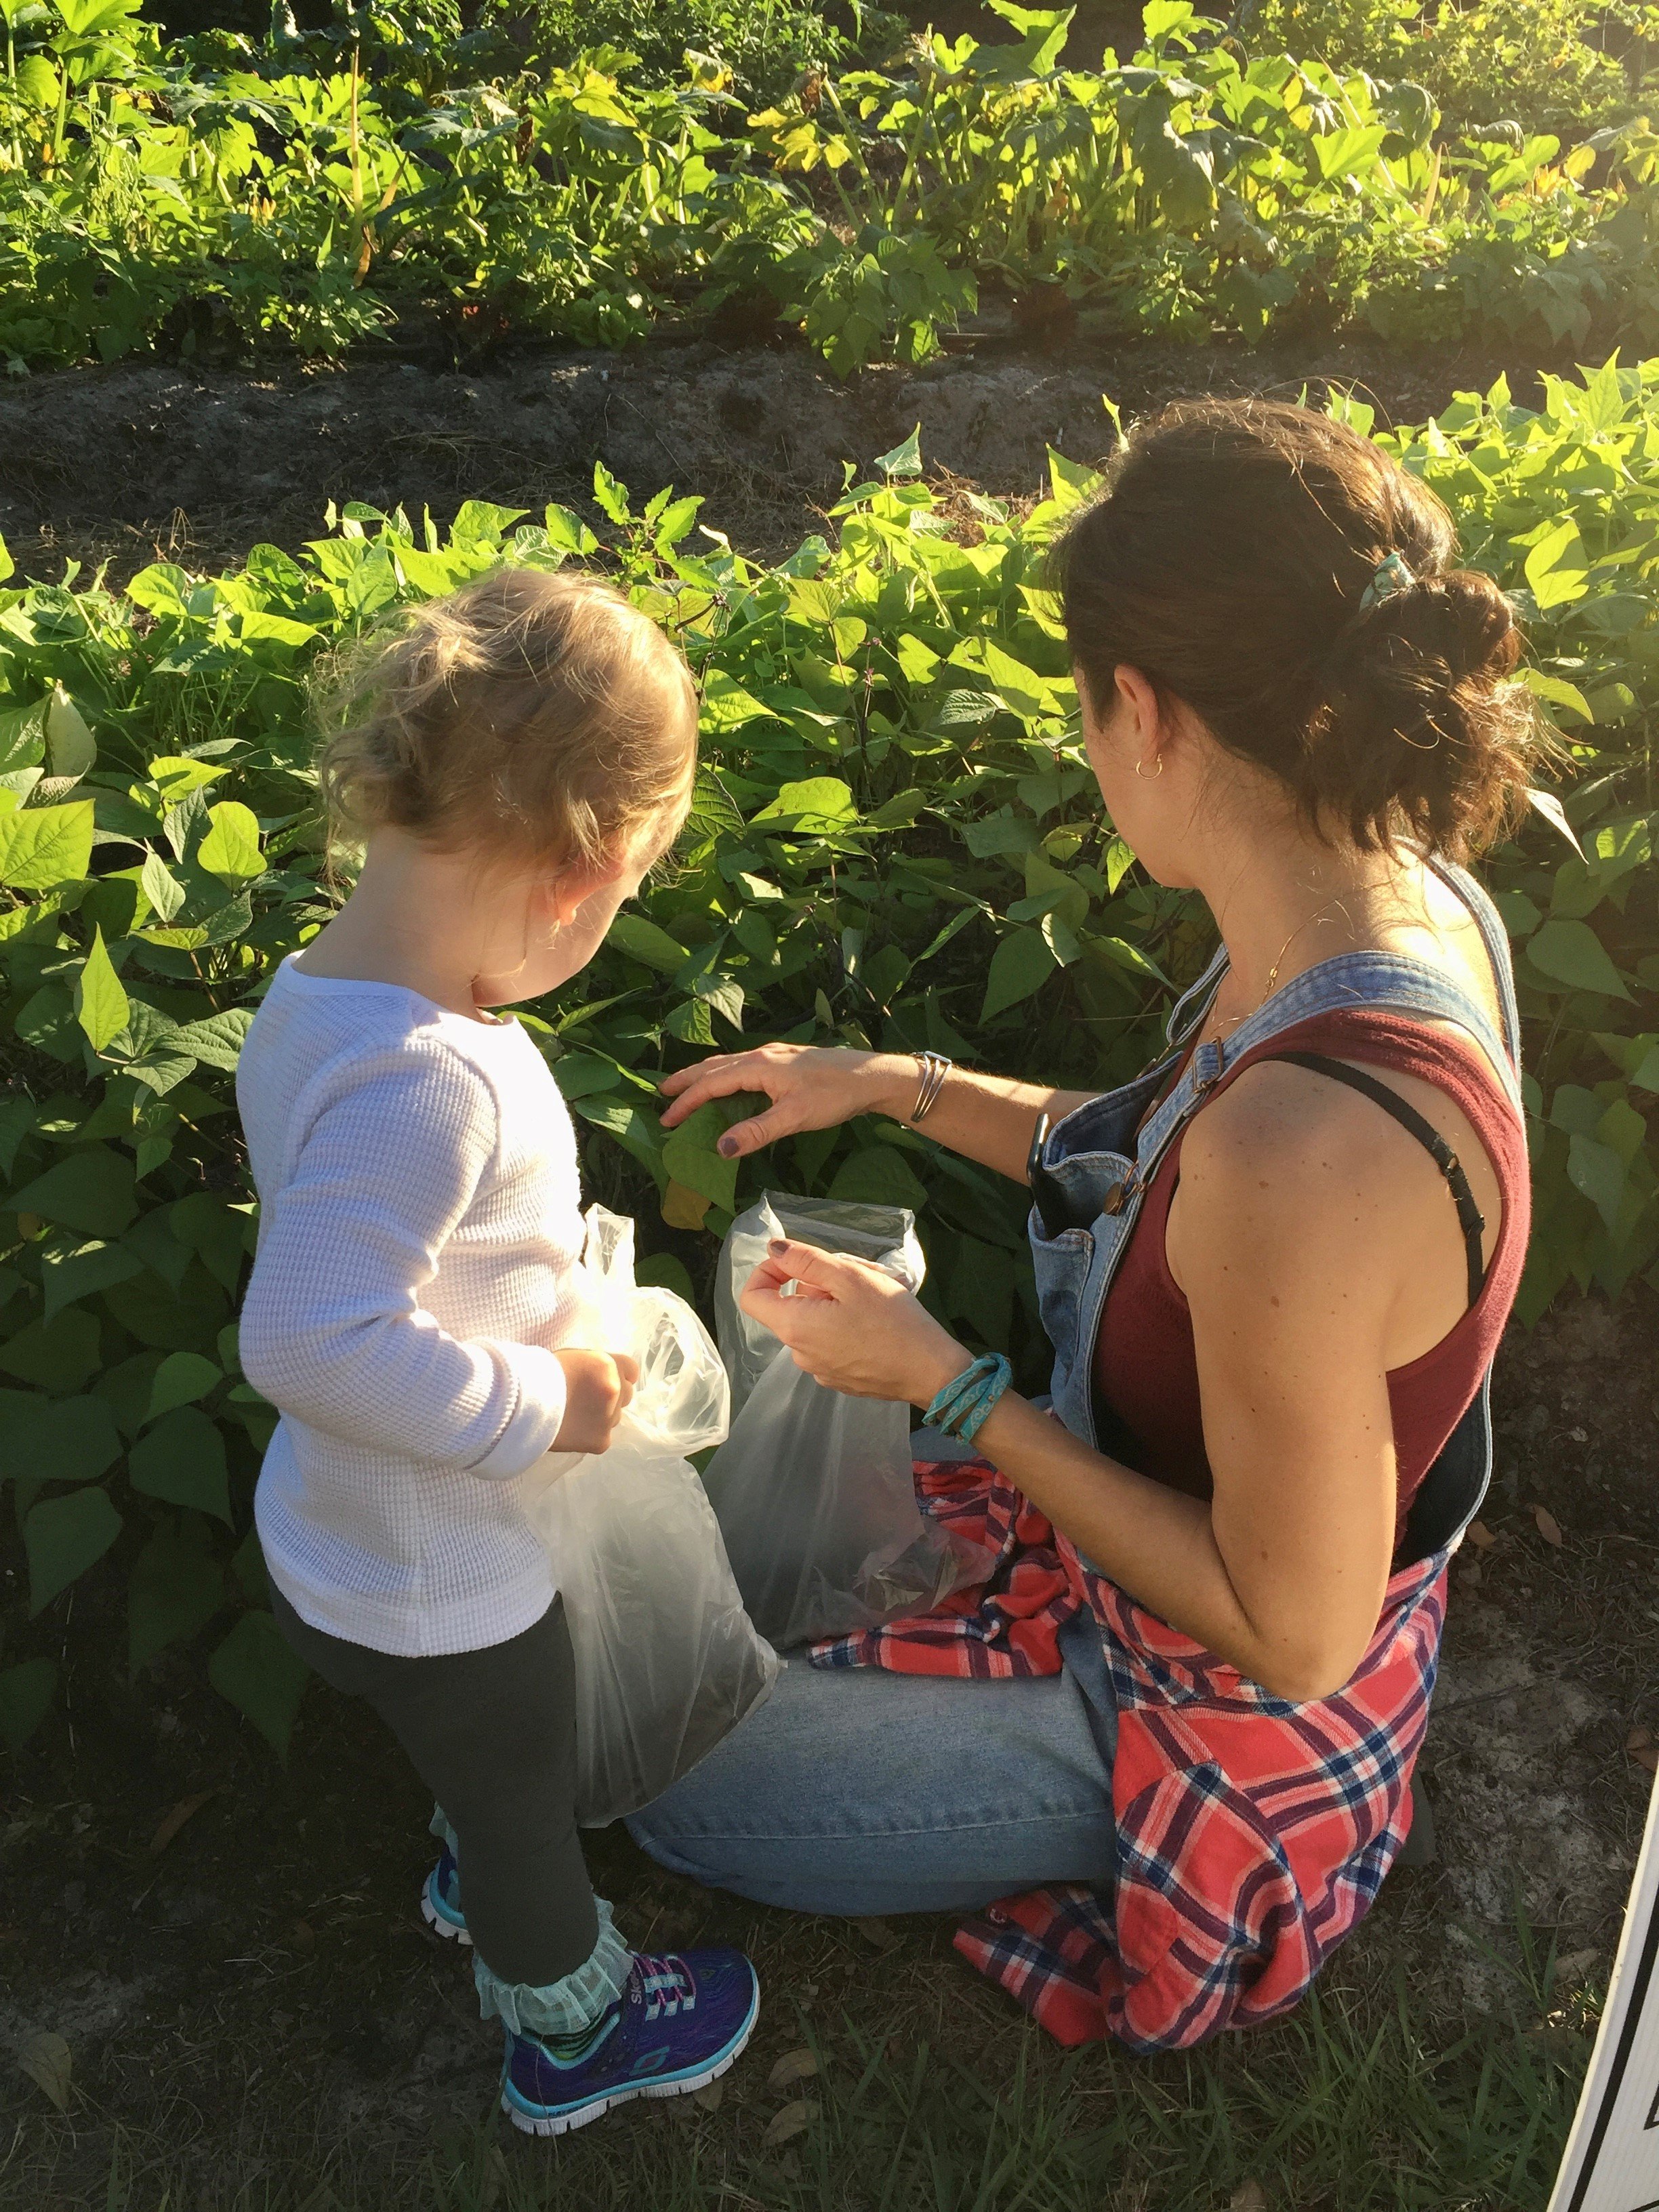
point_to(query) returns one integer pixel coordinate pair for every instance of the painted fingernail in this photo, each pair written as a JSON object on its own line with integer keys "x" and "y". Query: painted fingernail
{"x": 777, "y": 1248}
{"x": 727, "y": 1148}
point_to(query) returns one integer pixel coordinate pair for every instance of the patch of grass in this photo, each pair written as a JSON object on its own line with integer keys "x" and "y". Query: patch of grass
{"x": 1348, "y": 2107}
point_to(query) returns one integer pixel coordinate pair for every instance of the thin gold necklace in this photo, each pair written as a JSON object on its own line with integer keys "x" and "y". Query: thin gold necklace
{"x": 1232, "y": 1021}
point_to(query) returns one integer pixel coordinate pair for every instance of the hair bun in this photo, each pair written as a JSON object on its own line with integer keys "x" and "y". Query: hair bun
{"x": 1421, "y": 713}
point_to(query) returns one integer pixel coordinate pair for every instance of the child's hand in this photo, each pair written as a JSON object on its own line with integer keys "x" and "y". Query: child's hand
{"x": 599, "y": 1386}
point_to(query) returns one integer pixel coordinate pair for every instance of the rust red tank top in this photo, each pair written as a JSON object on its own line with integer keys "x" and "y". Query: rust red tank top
{"x": 1146, "y": 1393}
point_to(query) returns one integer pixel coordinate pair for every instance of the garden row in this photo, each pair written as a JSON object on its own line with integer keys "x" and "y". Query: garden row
{"x": 895, "y": 839}
{"x": 213, "y": 193}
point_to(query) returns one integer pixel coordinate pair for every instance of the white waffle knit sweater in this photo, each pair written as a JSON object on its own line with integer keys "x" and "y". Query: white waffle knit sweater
{"x": 419, "y": 1232}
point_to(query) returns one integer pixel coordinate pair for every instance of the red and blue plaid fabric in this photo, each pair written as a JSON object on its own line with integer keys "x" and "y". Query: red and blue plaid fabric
{"x": 1252, "y": 1833}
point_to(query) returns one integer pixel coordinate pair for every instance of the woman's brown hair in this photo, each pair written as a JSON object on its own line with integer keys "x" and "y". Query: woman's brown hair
{"x": 1228, "y": 558}
{"x": 538, "y": 716}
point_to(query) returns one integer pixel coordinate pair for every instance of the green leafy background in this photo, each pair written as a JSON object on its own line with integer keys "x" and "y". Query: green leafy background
{"x": 895, "y": 841}
{"x": 219, "y": 193}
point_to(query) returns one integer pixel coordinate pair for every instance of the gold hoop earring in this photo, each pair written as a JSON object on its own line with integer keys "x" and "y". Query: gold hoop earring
{"x": 1140, "y": 769}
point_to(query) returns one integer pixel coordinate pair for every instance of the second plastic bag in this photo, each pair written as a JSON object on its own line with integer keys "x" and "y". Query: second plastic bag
{"x": 814, "y": 1489}
{"x": 667, "y": 1660}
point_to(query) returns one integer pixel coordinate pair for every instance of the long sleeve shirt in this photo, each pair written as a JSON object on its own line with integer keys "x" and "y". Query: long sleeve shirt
{"x": 420, "y": 1234}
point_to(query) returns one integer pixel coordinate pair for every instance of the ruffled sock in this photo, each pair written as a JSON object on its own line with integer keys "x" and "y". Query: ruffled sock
{"x": 570, "y": 2007}
{"x": 569, "y": 2012}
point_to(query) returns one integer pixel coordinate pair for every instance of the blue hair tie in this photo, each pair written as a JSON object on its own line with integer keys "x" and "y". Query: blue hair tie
{"x": 1392, "y": 575}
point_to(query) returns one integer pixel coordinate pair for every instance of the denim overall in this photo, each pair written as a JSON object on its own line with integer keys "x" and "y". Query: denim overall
{"x": 1100, "y": 1168}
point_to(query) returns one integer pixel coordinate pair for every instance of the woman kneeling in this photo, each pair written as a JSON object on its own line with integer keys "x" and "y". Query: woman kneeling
{"x": 1172, "y": 1747}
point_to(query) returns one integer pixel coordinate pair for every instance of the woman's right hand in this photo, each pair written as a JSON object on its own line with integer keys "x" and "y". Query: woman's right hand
{"x": 599, "y": 1386}
{"x": 810, "y": 1087}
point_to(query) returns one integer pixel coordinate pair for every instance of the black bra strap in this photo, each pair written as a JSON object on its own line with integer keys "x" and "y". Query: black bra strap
{"x": 1469, "y": 1217}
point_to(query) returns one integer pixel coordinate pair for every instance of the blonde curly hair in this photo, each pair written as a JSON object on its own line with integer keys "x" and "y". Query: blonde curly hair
{"x": 536, "y": 716}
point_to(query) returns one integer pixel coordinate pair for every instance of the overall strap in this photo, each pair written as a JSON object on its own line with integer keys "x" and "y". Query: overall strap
{"x": 1194, "y": 1004}
{"x": 1393, "y": 979}
{"x": 1469, "y": 1217}
{"x": 1494, "y": 937}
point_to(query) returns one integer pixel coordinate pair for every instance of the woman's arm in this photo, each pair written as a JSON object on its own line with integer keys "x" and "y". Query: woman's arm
{"x": 1283, "y": 1573}
{"x": 988, "y": 1118}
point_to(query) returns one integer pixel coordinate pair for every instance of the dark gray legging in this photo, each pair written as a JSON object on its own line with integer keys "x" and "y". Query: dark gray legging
{"x": 492, "y": 1734}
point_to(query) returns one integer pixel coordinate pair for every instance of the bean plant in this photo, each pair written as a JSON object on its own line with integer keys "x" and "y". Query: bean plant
{"x": 315, "y": 192}
{"x": 1578, "y": 64}
{"x": 895, "y": 841}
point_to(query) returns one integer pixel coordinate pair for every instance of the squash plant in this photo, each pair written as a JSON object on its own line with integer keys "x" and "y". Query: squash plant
{"x": 894, "y": 840}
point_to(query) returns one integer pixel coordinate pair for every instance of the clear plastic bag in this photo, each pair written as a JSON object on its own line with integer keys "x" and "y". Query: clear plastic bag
{"x": 814, "y": 1489}
{"x": 668, "y": 1660}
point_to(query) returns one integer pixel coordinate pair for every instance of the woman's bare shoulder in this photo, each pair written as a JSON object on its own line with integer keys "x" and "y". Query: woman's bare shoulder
{"x": 1286, "y": 1169}
{"x": 1275, "y": 1120}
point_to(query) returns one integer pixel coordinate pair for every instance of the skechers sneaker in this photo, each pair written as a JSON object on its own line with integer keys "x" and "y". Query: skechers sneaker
{"x": 441, "y": 1900}
{"x": 679, "y": 2023}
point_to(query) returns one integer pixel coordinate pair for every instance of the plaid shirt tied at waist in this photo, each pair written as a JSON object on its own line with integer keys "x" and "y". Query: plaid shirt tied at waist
{"x": 1252, "y": 1833}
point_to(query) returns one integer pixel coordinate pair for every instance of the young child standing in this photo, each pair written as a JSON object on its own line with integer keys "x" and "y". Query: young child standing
{"x": 513, "y": 762}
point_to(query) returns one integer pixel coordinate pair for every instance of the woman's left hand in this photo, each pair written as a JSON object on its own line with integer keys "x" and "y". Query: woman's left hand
{"x": 851, "y": 1326}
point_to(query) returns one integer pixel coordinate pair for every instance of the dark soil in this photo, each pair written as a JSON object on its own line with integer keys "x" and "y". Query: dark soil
{"x": 1549, "y": 1657}
{"x": 140, "y": 460}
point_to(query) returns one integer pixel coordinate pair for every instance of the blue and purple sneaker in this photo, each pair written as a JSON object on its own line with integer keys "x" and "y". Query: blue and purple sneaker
{"x": 678, "y": 2025}
{"x": 441, "y": 1900}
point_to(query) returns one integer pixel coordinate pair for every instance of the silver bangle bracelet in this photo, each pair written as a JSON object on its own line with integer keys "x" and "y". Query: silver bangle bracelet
{"x": 934, "y": 1068}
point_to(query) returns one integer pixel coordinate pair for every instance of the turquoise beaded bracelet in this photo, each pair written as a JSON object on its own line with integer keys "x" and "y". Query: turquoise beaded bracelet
{"x": 965, "y": 1404}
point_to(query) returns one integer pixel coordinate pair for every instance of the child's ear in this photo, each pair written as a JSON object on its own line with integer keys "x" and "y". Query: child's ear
{"x": 563, "y": 897}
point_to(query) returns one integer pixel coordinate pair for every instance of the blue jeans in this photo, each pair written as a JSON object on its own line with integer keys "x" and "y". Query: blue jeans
{"x": 855, "y": 1791}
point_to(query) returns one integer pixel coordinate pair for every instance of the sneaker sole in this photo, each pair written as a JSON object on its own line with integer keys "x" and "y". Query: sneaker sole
{"x": 538, "y": 2122}
{"x": 436, "y": 1922}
